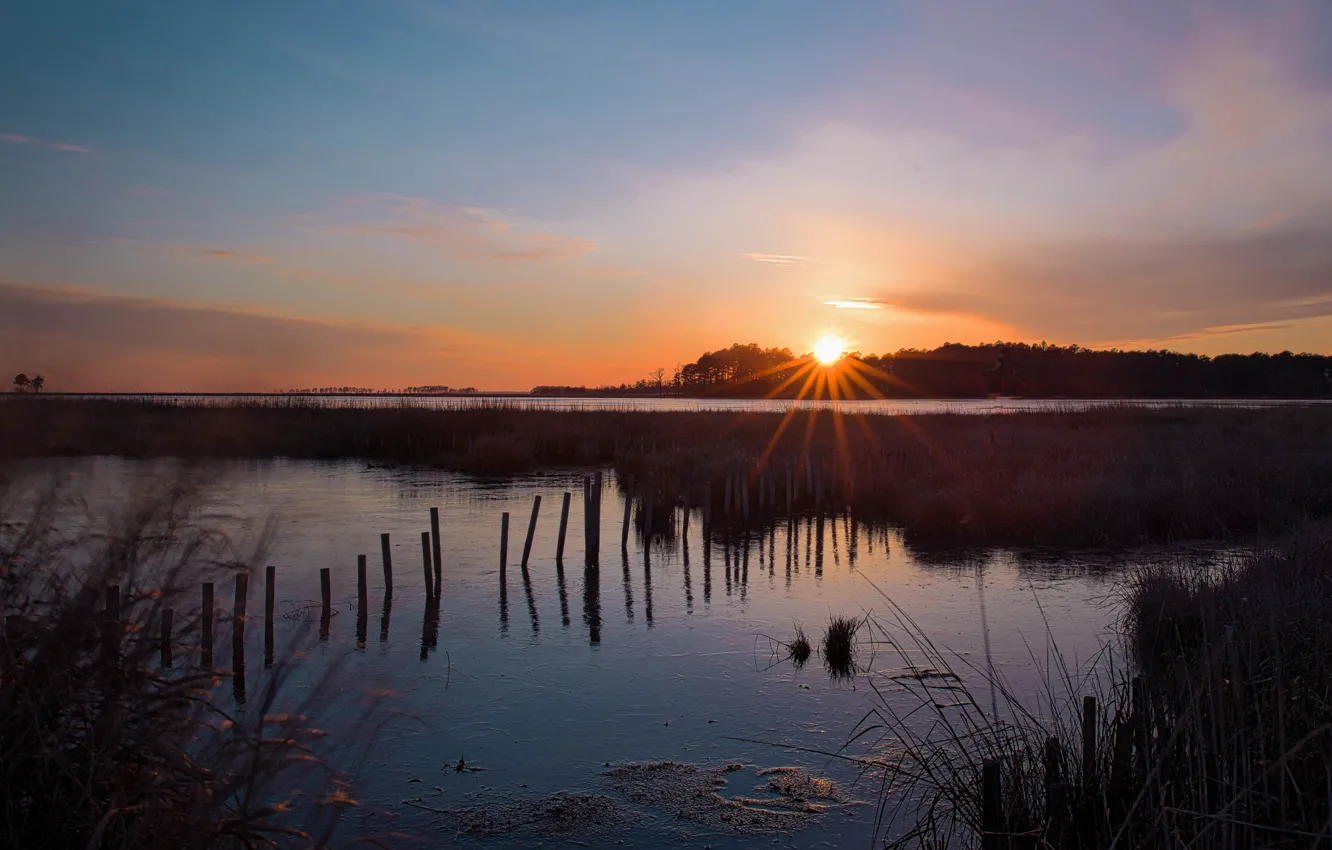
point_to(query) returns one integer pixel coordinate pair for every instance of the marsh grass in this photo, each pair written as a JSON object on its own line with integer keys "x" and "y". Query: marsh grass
{"x": 838, "y": 646}
{"x": 798, "y": 648}
{"x": 102, "y": 747}
{"x": 1105, "y": 477}
{"x": 1218, "y": 736}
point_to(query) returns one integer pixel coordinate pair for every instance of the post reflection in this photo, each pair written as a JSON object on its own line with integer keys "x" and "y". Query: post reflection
{"x": 564, "y": 592}
{"x": 531, "y": 603}
{"x": 592, "y": 605}
{"x": 628, "y": 588}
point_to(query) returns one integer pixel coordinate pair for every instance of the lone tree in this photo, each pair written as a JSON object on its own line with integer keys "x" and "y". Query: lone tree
{"x": 37, "y": 383}
{"x": 21, "y": 382}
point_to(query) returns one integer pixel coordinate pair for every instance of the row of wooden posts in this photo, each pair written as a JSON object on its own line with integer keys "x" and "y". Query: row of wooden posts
{"x": 432, "y": 565}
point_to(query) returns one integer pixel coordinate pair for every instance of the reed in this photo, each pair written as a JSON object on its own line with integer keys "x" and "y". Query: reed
{"x": 1218, "y": 735}
{"x": 1107, "y": 477}
{"x": 116, "y": 749}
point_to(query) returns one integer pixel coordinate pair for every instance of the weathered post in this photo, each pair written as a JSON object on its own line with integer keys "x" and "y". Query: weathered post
{"x": 504, "y": 544}
{"x": 386, "y": 555}
{"x": 362, "y": 599}
{"x": 435, "y": 546}
{"x": 425, "y": 563}
{"x": 531, "y": 530}
{"x": 238, "y": 621}
{"x": 270, "y": 598}
{"x": 206, "y": 627}
{"x": 564, "y": 526}
{"x": 624, "y": 526}
{"x": 326, "y": 597}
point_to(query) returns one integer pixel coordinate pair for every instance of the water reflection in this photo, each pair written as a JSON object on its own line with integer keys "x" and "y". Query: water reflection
{"x": 564, "y": 593}
{"x": 628, "y": 588}
{"x": 385, "y": 615}
{"x": 592, "y": 604}
{"x": 430, "y": 627}
{"x": 531, "y": 603}
{"x": 647, "y": 585}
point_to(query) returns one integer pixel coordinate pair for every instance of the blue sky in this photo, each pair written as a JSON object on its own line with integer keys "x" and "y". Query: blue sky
{"x": 503, "y": 194}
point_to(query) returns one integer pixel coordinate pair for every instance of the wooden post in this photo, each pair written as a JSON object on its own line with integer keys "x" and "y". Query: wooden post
{"x": 992, "y": 806}
{"x": 564, "y": 526}
{"x": 206, "y": 651}
{"x": 270, "y": 597}
{"x": 744, "y": 495}
{"x": 789, "y": 494}
{"x": 726, "y": 503}
{"x": 587, "y": 520}
{"x": 326, "y": 598}
{"x": 362, "y": 599}
{"x": 362, "y": 583}
{"x": 624, "y": 526}
{"x": 596, "y": 511}
{"x": 1088, "y": 745}
{"x": 504, "y": 544}
{"x": 167, "y": 617}
{"x": 238, "y": 607}
{"x": 435, "y": 546}
{"x": 425, "y": 562}
{"x": 531, "y": 530}
{"x": 386, "y": 555}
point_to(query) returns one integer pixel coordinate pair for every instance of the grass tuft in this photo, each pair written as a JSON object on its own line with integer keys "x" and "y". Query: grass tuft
{"x": 839, "y": 647}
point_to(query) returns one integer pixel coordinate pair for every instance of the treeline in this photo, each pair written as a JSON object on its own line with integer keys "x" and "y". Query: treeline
{"x": 976, "y": 371}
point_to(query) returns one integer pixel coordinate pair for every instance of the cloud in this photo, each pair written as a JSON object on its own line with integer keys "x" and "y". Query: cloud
{"x": 855, "y": 304}
{"x": 87, "y": 341}
{"x": 778, "y": 259}
{"x": 464, "y": 233}
{"x": 1170, "y": 286}
{"x": 227, "y": 255}
{"x": 67, "y": 147}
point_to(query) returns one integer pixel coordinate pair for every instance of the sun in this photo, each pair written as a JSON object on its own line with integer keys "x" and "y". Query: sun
{"x": 829, "y": 349}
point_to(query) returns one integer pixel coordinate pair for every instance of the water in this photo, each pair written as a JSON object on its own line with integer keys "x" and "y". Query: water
{"x": 646, "y": 659}
{"x": 892, "y": 407}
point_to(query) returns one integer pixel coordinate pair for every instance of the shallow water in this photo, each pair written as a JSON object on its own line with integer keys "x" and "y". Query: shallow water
{"x": 649, "y": 658}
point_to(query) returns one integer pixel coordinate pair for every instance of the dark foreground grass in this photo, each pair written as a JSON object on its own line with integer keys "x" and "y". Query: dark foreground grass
{"x": 102, "y": 747}
{"x": 1220, "y": 736}
{"x": 1107, "y": 477}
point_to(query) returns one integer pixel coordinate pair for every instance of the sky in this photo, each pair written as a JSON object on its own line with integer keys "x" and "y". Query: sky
{"x": 249, "y": 196}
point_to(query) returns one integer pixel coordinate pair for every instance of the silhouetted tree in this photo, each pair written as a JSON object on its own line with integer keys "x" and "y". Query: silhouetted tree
{"x": 20, "y": 382}
{"x": 37, "y": 382}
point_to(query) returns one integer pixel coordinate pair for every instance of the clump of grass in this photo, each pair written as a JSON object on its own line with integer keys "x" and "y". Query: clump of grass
{"x": 798, "y": 648}
{"x": 102, "y": 747}
{"x": 839, "y": 646}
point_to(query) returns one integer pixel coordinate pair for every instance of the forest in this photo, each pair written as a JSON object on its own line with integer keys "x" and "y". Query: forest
{"x": 954, "y": 370}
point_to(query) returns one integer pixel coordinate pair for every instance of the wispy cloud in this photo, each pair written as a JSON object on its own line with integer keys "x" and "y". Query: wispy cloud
{"x": 228, "y": 256}
{"x": 778, "y": 259}
{"x": 465, "y": 233}
{"x": 856, "y": 304}
{"x": 67, "y": 147}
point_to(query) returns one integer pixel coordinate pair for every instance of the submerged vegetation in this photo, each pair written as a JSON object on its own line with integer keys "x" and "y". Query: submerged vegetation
{"x": 103, "y": 746}
{"x": 1107, "y": 477}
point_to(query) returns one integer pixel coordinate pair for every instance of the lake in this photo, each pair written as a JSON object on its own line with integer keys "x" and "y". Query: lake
{"x": 661, "y": 655}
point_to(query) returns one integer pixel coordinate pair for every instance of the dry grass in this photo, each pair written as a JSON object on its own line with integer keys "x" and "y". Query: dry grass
{"x": 102, "y": 747}
{"x": 1109, "y": 477}
{"x": 839, "y": 647}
